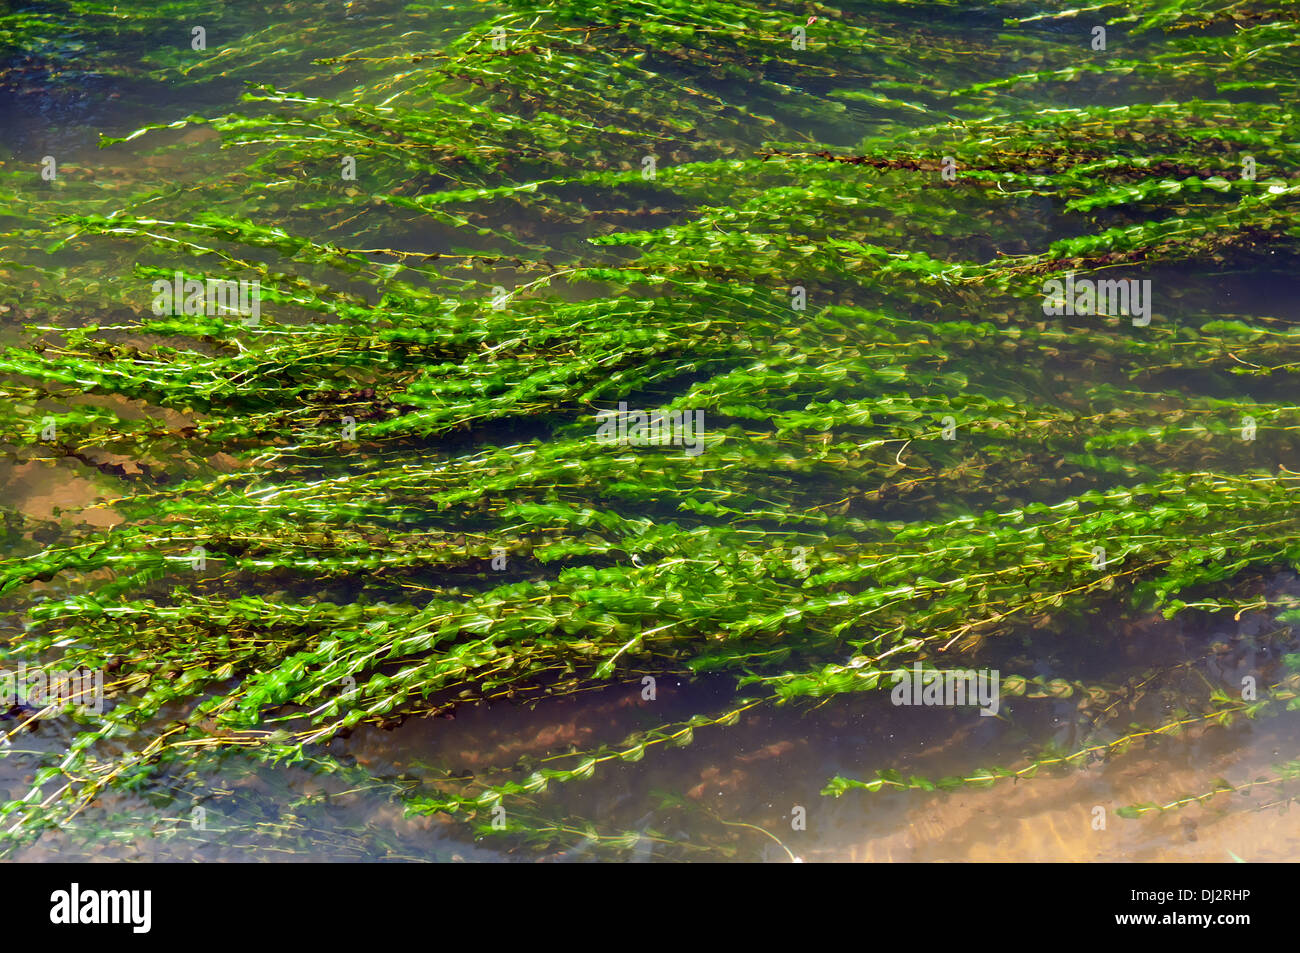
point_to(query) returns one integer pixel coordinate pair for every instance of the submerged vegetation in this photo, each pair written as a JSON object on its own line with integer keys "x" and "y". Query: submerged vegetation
{"x": 385, "y": 497}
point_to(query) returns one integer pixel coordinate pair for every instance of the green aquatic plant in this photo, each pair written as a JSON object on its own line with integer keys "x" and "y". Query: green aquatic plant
{"x": 386, "y": 496}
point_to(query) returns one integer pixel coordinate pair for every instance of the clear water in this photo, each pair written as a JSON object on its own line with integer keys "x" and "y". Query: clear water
{"x": 747, "y": 780}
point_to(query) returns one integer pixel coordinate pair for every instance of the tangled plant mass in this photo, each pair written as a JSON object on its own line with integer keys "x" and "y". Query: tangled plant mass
{"x": 388, "y": 496}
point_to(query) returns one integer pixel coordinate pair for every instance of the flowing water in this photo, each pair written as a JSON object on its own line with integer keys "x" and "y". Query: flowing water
{"x": 73, "y": 73}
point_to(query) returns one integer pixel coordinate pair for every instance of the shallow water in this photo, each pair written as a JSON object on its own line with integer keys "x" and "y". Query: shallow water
{"x": 738, "y": 788}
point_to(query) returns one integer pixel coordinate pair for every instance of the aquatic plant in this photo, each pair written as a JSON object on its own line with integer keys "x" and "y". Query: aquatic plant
{"x": 386, "y": 496}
